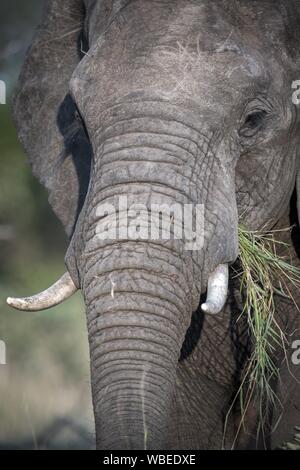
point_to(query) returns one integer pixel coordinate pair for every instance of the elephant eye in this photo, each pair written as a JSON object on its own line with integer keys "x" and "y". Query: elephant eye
{"x": 253, "y": 123}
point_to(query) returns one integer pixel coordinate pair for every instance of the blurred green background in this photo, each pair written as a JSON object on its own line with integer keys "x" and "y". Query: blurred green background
{"x": 45, "y": 399}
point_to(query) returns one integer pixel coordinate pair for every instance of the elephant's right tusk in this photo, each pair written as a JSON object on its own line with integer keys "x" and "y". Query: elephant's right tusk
{"x": 54, "y": 295}
{"x": 216, "y": 290}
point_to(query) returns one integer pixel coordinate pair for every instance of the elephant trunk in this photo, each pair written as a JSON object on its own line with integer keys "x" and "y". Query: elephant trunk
{"x": 138, "y": 306}
{"x": 140, "y": 291}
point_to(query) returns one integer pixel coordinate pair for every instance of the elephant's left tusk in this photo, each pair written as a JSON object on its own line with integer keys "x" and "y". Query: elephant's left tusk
{"x": 54, "y": 295}
{"x": 217, "y": 289}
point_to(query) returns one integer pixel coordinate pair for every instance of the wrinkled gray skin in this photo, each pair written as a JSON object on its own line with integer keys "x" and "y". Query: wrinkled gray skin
{"x": 165, "y": 101}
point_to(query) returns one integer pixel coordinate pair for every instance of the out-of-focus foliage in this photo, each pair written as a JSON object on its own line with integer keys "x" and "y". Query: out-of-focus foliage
{"x": 44, "y": 388}
{"x": 18, "y": 19}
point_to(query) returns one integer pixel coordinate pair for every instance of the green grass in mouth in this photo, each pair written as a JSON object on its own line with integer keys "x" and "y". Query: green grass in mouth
{"x": 263, "y": 275}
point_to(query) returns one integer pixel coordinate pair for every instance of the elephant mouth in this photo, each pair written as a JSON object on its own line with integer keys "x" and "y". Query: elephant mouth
{"x": 64, "y": 288}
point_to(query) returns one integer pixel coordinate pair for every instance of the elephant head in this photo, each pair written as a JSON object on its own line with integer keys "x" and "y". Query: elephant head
{"x": 183, "y": 102}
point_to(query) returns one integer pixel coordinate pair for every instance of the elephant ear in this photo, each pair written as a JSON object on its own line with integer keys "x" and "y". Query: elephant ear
{"x": 48, "y": 124}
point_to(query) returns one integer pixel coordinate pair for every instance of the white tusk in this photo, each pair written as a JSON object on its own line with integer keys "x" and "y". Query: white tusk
{"x": 217, "y": 289}
{"x": 54, "y": 295}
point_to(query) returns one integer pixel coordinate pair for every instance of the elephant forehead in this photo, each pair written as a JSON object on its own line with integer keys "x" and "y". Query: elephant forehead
{"x": 169, "y": 56}
{"x": 213, "y": 21}
{"x": 213, "y": 87}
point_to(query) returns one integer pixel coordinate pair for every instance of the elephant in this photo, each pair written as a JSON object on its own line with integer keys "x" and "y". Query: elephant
{"x": 164, "y": 102}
